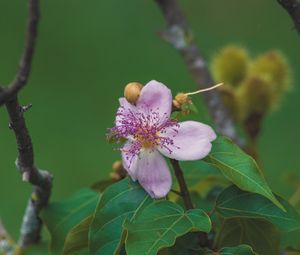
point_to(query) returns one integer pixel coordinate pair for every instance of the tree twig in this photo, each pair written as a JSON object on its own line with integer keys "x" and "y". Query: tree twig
{"x": 40, "y": 180}
{"x": 185, "y": 194}
{"x": 293, "y": 8}
{"x": 180, "y": 37}
{"x": 24, "y": 69}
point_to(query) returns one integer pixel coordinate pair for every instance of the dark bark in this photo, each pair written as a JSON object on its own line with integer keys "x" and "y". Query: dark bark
{"x": 24, "y": 68}
{"x": 39, "y": 179}
{"x": 180, "y": 36}
{"x": 293, "y": 9}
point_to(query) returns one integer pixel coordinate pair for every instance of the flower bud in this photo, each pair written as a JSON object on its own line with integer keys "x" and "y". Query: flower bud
{"x": 117, "y": 166}
{"x": 182, "y": 98}
{"x": 132, "y": 92}
{"x": 118, "y": 171}
{"x": 230, "y": 65}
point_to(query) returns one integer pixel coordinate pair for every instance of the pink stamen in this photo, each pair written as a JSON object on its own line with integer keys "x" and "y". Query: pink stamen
{"x": 145, "y": 130}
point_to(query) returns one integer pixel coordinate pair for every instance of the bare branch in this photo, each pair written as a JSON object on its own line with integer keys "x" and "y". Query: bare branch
{"x": 40, "y": 180}
{"x": 26, "y": 59}
{"x": 179, "y": 36}
{"x": 293, "y": 8}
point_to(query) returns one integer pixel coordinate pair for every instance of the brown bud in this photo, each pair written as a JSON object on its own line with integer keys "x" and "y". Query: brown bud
{"x": 117, "y": 166}
{"x": 132, "y": 91}
{"x": 181, "y": 98}
{"x": 118, "y": 171}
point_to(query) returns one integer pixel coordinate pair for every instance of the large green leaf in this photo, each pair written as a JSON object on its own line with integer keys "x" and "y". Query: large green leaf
{"x": 239, "y": 168}
{"x": 291, "y": 239}
{"x": 61, "y": 217}
{"x": 159, "y": 224}
{"x": 77, "y": 239}
{"x": 197, "y": 171}
{"x": 261, "y": 235}
{"x": 233, "y": 202}
{"x": 242, "y": 249}
{"x": 121, "y": 201}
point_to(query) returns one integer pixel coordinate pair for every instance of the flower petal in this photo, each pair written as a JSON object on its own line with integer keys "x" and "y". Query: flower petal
{"x": 129, "y": 160}
{"x": 157, "y": 97}
{"x": 125, "y": 109}
{"x": 153, "y": 173}
{"x": 192, "y": 141}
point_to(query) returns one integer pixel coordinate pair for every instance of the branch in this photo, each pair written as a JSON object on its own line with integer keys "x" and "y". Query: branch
{"x": 179, "y": 36}
{"x": 24, "y": 69}
{"x": 40, "y": 180}
{"x": 293, "y": 8}
{"x": 185, "y": 194}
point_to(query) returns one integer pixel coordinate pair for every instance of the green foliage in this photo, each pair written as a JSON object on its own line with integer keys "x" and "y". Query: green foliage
{"x": 121, "y": 201}
{"x": 61, "y": 217}
{"x": 242, "y": 249}
{"x": 160, "y": 224}
{"x": 239, "y": 168}
{"x": 39, "y": 249}
{"x": 201, "y": 176}
{"x": 77, "y": 239}
{"x": 233, "y": 202}
{"x": 291, "y": 240}
{"x": 261, "y": 235}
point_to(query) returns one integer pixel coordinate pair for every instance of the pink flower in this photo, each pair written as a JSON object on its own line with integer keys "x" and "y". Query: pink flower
{"x": 152, "y": 134}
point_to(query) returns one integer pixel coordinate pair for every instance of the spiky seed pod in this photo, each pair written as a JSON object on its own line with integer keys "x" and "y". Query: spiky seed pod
{"x": 275, "y": 66}
{"x": 230, "y": 65}
{"x": 229, "y": 99}
{"x": 255, "y": 95}
{"x": 132, "y": 91}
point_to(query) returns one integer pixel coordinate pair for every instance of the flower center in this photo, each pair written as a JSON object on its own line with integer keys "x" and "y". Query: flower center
{"x": 147, "y": 130}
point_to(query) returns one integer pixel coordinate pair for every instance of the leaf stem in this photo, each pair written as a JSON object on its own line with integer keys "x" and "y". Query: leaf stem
{"x": 185, "y": 194}
{"x": 183, "y": 187}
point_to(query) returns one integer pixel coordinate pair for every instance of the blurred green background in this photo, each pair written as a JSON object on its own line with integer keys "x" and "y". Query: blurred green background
{"x": 88, "y": 50}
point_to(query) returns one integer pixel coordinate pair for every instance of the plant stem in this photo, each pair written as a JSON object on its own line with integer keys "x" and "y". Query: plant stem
{"x": 185, "y": 194}
{"x": 183, "y": 187}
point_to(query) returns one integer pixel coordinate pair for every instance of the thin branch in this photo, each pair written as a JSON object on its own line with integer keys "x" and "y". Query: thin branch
{"x": 24, "y": 69}
{"x": 293, "y": 8}
{"x": 40, "y": 180}
{"x": 179, "y": 36}
{"x": 185, "y": 194}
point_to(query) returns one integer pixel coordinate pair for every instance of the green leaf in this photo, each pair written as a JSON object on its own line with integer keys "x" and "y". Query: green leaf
{"x": 291, "y": 239}
{"x": 159, "y": 224}
{"x": 261, "y": 235}
{"x": 61, "y": 217}
{"x": 233, "y": 202}
{"x": 242, "y": 249}
{"x": 38, "y": 249}
{"x": 121, "y": 201}
{"x": 181, "y": 247}
{"x": 199, "y": 173}
{"x": 100, "y": 186}
{"x": 239, "y": 168}
{"x": 77, "y": 239}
